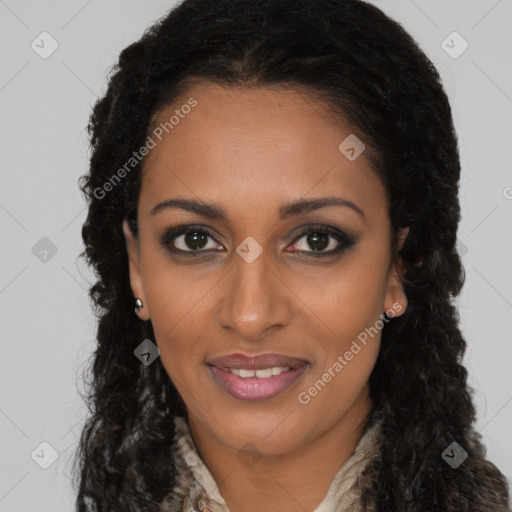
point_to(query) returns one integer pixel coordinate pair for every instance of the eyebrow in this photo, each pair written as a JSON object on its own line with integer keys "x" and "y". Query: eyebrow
{"x": 290, "y": 209}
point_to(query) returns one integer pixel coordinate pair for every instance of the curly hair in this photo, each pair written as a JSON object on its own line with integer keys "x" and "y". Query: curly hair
{"x": 369, "y": 70}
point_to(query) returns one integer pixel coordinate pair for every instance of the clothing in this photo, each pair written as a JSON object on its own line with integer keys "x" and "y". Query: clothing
{"x": 196, "y": 490}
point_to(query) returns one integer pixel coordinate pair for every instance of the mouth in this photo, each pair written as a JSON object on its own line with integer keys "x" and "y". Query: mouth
{"x": 256, "y": 377}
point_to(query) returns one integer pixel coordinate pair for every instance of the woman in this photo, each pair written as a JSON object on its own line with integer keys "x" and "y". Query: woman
{"x": 272, "y": 218}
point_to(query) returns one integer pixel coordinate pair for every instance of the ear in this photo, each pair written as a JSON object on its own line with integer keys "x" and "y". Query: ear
{"x": 395, "y": 302}
{"x": 132, "y": 248}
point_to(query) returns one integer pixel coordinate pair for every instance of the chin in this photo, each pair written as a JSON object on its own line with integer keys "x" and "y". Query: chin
{"x": 273, "y": 432}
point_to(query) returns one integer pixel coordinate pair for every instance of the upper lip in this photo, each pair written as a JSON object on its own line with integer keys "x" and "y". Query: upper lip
{"x": 256, "y": 362}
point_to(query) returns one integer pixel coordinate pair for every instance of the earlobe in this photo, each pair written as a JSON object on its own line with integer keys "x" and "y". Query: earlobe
{"x": 132, "y": 250}
{"x": 396, "y": 300}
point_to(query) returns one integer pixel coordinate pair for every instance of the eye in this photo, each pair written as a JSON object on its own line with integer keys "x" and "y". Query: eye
{"x": 323, "y": 240}
{"x": 315, "y": 241}
{"x": 189, "y": 239}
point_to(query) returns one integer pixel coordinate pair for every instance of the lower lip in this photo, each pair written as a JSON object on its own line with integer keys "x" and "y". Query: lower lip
{"x": 254, "y": 388}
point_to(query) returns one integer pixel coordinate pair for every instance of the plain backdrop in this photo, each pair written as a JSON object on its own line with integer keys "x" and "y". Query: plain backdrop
{"x": 47, "y": 325}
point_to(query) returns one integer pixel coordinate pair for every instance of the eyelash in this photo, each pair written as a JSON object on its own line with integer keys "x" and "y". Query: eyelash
{"x": 344, "y": 240}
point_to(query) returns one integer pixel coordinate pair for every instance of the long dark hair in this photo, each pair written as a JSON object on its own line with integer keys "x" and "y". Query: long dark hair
{"x": 370, "y": 71}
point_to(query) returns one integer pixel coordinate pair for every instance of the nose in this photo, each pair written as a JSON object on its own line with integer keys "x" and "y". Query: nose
{"x": 254, "y": 299}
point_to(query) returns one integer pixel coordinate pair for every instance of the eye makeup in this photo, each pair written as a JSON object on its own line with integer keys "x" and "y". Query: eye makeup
{"x": 196, "y": 233}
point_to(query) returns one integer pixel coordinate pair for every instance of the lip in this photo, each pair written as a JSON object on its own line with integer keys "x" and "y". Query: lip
{"x": 254, "y": 388}
{"x": 256, "y": 362}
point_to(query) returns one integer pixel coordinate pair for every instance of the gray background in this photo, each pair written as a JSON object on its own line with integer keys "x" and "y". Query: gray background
{"x": 47, "y": 326}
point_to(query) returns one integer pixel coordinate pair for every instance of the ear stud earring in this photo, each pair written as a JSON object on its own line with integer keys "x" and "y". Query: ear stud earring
{"x": 138, "y": 304}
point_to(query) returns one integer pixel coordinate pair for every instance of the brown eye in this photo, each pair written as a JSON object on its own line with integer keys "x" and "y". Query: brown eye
{"x": 318, "y": 241}
{"x": 189, "y": 239}
{"x": 322, "y": 241}
{"x": 192, "y": 240}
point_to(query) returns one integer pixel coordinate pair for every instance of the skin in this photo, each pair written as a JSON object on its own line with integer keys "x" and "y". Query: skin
{"x": 250, "y": 151}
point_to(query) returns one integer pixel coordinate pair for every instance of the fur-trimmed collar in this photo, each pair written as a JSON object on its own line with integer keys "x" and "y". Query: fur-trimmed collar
{"x": 196, "y": 490}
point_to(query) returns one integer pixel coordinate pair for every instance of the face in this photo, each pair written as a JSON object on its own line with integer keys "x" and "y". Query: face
{"x": 264, "y": 270}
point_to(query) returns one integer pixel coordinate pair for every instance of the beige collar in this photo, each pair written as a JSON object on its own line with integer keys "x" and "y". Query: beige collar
{"x": 196, "y": 489}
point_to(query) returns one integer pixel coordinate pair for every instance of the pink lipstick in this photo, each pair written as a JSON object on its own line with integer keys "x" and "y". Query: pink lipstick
{"x": 256, "y": 377}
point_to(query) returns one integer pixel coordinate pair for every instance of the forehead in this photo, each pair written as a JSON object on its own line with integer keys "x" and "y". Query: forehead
{"x": 246, "y": 145}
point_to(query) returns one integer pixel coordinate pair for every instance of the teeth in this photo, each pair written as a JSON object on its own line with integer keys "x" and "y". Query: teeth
{"x": 264, "y": 374}
{"x": 261, "y": 374}
{"x": 276, "y": 370}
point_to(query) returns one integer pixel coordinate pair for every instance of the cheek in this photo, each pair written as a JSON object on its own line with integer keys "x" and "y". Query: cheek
{"x": 172, "y": 291}
{"x": 182, "y": 349}
{"x": 349, "y": 305}
{"x": 175, "y": 304}
{"x": 347, "y": 298}
{"x": 335, "y": 384}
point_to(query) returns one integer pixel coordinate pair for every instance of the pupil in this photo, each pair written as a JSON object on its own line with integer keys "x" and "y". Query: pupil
{"x": 194, "y": 237}
{"x": 318, "y": 241}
